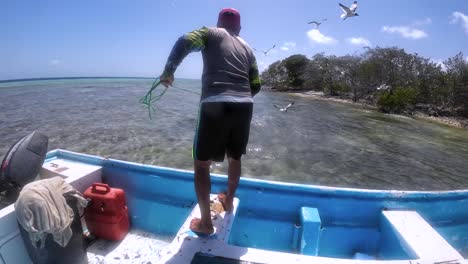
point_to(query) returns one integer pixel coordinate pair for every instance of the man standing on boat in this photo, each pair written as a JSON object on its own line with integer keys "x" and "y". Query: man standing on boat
{"x": 230, "y": 79}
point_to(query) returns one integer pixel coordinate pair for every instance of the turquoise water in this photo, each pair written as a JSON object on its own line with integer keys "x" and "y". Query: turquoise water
{"x": 315, "y": 142}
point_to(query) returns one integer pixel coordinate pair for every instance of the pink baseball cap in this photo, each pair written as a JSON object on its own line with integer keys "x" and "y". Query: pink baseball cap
{"x": 229, "y": 18}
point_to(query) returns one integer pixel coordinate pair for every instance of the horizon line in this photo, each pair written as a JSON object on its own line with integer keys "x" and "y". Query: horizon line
{"x": 76, "y": 78}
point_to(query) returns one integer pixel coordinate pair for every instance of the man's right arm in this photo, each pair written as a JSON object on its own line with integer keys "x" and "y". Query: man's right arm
{"x": 190, "y": 42}
{"x": 254, "y": 78}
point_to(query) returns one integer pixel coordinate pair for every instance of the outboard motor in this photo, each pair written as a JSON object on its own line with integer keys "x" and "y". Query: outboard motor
{"x": 22, "y": 164}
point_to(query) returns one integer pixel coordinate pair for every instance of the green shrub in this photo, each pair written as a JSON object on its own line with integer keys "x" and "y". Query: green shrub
{"x": 397, "y": 101}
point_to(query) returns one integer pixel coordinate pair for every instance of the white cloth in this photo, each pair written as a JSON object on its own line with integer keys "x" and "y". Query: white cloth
{"x": 41, "y": 209}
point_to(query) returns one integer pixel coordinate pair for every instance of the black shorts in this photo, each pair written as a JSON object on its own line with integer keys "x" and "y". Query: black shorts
{"x": 223, "y": 128}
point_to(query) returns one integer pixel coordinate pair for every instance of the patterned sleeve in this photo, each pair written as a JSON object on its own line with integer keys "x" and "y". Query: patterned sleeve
{"x": 190, "y": 42}
{"x": 254, "y": 77}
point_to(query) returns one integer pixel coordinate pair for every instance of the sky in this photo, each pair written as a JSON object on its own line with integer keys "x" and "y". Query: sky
{"x": 117, "y": 38}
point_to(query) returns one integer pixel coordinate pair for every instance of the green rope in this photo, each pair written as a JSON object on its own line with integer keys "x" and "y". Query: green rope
{"x": 148, "y": 99}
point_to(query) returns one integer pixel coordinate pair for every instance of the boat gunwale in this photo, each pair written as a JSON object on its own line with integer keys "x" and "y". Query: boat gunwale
{"x": 268, "y": 185}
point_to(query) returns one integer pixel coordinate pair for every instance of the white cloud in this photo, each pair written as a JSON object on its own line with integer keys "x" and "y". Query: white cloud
{"x": 440, "y": 62}
{"x": 288, "y": 45}
{"x": 315, "y": 36}
{"x": 55, "y": 62}
{"x": 360, "y": 41}
{"x": 462, "y": 18}
{"x": 406, "y": 32}
{"x": 426, "y": 21}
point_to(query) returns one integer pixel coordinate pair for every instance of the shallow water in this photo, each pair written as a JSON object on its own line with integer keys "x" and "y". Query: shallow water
{"x": 315, "y": 142}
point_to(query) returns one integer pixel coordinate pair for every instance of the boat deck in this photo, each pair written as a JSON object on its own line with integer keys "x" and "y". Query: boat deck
{"x": 137, "y": 247}
{"x": 187, "y": 247}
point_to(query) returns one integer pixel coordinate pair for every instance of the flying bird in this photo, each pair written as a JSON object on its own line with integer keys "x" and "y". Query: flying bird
{"x": 265, "y": 52}
{"x": 383, "y": 87}
{"x": 317, "y": 24}
{"x": 284, "y": 109}
{"x": 348, "y": 11}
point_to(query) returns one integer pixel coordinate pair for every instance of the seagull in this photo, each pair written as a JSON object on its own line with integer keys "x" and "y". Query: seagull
{"x": 348, "y": 11}
{"x": 284, "y": 109}
{"x": 383, "y": 87}
{"x": 265, "y": 52}
{"x": 317, "y": 24}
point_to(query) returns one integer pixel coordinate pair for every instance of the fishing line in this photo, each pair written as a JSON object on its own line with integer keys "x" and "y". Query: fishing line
{"x": 183, "y": 89}
{"x": 149, "y": 99}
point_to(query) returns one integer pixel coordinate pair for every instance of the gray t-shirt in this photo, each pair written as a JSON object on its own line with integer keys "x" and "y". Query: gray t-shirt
{"x": 230, "y": 72}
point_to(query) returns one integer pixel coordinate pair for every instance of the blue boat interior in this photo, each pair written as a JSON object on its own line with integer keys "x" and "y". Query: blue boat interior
{"x": 300, "y": 219}
{"x": 201, "y": 258}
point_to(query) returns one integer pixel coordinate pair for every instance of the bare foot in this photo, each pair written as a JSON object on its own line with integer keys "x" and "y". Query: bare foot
{"x": 199, "y": 228}
{"x": 227, "y": 202}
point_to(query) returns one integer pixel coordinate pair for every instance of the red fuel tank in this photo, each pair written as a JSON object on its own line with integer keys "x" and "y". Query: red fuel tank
{"x": 107, "y": 216}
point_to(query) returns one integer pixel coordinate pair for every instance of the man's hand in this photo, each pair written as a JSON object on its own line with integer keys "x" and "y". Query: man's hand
{"x": 166, "y": 79}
